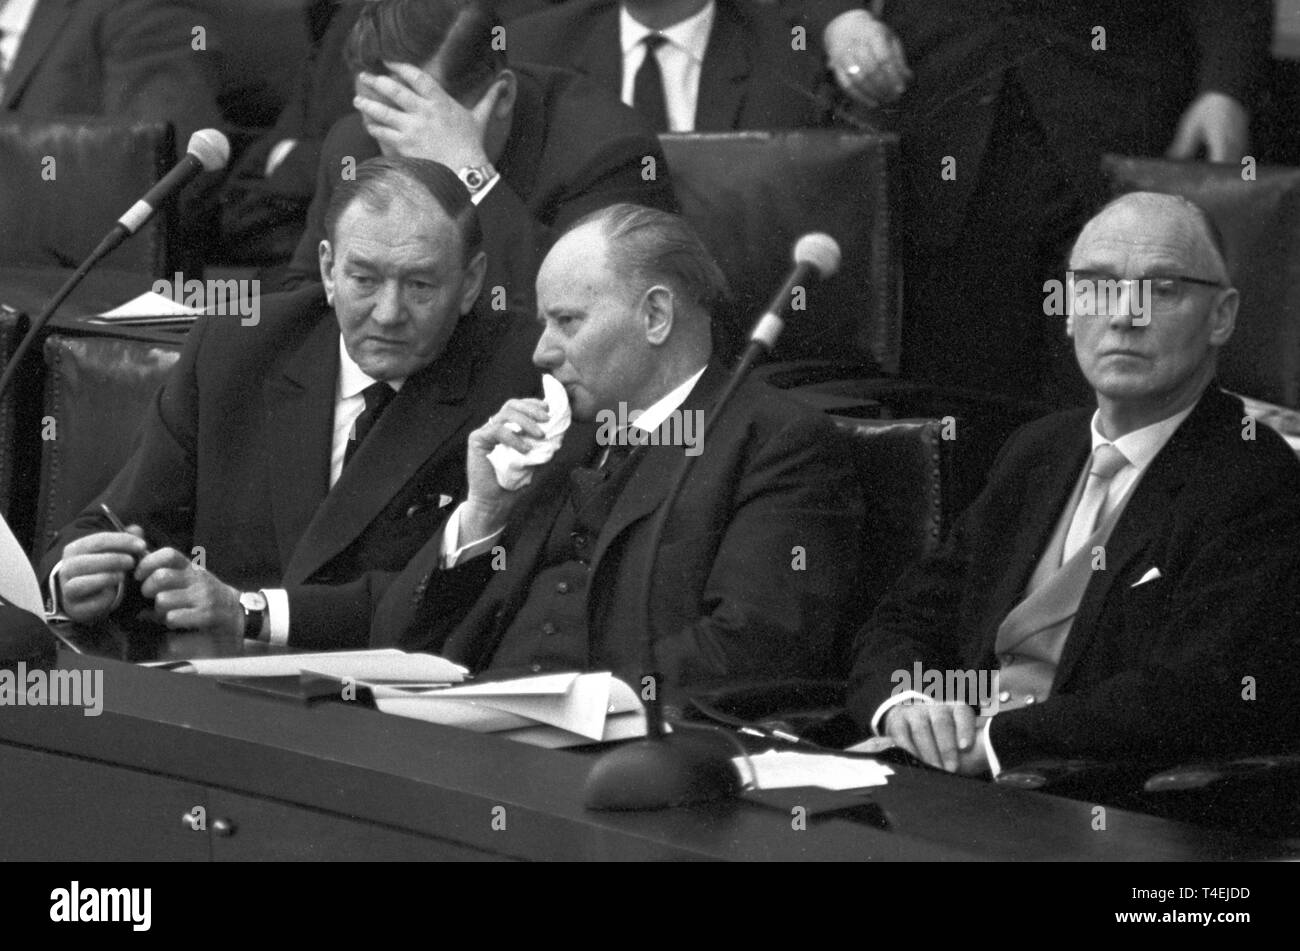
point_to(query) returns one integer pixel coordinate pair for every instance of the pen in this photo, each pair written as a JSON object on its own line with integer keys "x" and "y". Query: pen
{"x": 117, "y": 522}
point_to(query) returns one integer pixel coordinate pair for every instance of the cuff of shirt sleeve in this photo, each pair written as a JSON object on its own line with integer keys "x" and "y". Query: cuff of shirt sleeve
{"x": 453, "y": 553}
{"x": 994, "y": 766}
{"x": 477, "y": 198}
{"x": 878, "y": 717}
{"x": 277, "y": 615}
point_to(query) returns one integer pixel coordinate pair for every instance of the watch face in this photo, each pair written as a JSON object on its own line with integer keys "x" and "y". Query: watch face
{"x": 253, "y": 601}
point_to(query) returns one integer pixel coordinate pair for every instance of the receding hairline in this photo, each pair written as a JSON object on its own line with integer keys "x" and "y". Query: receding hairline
{"x": 1207, "y": 242}
{"x": 398, "y": 187}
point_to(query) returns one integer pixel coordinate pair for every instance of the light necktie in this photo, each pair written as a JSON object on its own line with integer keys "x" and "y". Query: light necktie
{"x": 1106, "y": 462}
{"x": 648, "y": 86}
{"x": 377, "y": 397}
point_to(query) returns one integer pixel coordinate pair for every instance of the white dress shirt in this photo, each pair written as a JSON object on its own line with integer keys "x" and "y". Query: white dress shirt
{"x": 1139, "y": 447}
{"x": 453, "y": 552}
{"x": 680, "y": 61}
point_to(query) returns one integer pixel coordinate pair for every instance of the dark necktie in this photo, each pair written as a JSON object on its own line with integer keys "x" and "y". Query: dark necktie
{"x": 377, "y": 397}
{"x": 594, "y": 490}
{"x": 648, "y": 86}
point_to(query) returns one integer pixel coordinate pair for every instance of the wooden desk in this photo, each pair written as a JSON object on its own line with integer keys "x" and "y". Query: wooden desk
{"x": 279, "y": 781}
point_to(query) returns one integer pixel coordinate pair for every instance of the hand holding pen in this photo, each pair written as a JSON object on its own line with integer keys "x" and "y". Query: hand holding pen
{"x": 92, "y": 572}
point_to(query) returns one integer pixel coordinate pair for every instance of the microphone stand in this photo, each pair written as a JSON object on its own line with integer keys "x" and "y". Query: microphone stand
{"x": 679, "y": 768}
{"x": 111, "y": 241}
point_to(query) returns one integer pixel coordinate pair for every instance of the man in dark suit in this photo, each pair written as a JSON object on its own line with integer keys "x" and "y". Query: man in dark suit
{"x": 265, "y": 198}
{"x": 759, "y": 555}
{"x": 538, "y": 148}
{"x": 132, "y": 59}
{"x": 1004, "y": 112}
{"x": 284, "y": 466}
{"x": 1125, "y": 589}
{"x": 717, "y": 64}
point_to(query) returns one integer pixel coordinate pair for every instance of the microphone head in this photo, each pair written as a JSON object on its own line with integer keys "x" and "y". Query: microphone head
{"x": 819, "y": 251}
{"x": 211, "y": 148}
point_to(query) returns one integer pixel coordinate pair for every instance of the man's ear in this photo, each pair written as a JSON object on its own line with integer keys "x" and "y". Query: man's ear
{"x": 504, "y": 107}
{"x": 658, "y": 310}
{"x": 472, "y": 284}
{"x": 1223, "y": 318}
{"x": 326, "y": 255}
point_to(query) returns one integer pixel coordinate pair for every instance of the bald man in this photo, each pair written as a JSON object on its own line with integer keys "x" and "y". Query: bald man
{"x": 1125, "y": 587}
{"x": 757, "y": 569}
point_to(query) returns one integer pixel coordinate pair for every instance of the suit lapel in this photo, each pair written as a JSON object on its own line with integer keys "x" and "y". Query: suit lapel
{"x": 725, "y": 72}
{"x": 422, "y": 420}
{"x": 1050, "y": 483}
{"x": 47, "y": 19}
{"x": 299, "y": 404}
{"x": 600, "y": 57}
{"x": 1146, "y": 510}
{"x": 655, "y": 468}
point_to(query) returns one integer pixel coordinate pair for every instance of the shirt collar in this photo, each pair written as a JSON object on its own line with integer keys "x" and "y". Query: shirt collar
{"x": 690, "y": 35}
{"x": 353, "y": 379}
{"x": 660, "y": 410}
{"x": 1142, "y": 445}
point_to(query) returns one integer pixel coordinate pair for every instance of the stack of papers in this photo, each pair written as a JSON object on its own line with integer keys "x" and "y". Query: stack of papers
{"x": 783, "y": 770}
{"x": 550, "y": 710}
{"x": 369, "y": 667}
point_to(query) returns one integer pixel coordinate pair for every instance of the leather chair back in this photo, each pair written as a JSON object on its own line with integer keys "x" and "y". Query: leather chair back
{"x": 903, "y": 465}
{"x": 64, "y": 182}
{"x": 96, "y": 392}
{"x": 1260, "y": 221}
{"x": 751, "y": 195}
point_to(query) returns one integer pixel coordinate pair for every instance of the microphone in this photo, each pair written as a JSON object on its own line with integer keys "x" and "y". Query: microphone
{"x": 208, "y": 150}
{"x": 815, "y": 256}
{"x": 675, "y": 769}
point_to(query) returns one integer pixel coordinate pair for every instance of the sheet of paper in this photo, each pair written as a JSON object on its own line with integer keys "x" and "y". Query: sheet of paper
{"x": 150, "y": 304}
{"x": 18, "y": 584}
{"x": 780, "y": 769}
{"x": 367, "y": 666}
{"x": 579, "y": 706}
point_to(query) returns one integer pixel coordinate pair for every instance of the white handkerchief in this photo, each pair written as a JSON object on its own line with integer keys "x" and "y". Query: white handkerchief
{"x": 1151, "y": 575}
{"x": 515, "y": 469}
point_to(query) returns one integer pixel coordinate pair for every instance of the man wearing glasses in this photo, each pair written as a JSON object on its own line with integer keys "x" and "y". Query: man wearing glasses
{"x": 1125, "y": 588}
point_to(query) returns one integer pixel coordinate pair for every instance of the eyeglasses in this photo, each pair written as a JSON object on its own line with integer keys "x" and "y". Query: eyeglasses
{"x": 1092, "y": 294}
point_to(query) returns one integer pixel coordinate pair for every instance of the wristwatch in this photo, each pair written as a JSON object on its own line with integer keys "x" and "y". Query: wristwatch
{"x": 477, "y": 177}
{"x": 254, "y": 605}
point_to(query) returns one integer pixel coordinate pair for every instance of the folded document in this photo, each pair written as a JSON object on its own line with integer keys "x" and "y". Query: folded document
{"x": 551, "y": 710}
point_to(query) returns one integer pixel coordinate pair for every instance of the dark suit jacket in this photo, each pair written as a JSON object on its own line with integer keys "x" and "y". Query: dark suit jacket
{"x": 728, "y": 601}
{"x": 120, "y": 58}
{"x": 1152, "y": 672}
{"x": 234, "y": 457}
{"x": 572, "y": 149}
{"x": 1159, "y": 55}
{"x": 751, "y": 78}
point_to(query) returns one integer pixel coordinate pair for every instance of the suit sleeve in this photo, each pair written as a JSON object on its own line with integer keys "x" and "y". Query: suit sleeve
{"x": 1233, "y": 41}
{"x": 785, "y": 567}
{"x": 304, "y": 267}
{"x": 1222, "y": 677}
{"x": 920, "y": 618}
{"x": 156, "y": 487}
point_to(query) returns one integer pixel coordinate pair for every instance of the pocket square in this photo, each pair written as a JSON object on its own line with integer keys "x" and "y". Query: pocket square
{"x": 1151, "y": 575}
{"x": 444, "y": 501}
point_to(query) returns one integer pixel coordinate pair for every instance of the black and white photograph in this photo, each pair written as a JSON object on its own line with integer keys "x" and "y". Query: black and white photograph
{"x": 650, "y": 431}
